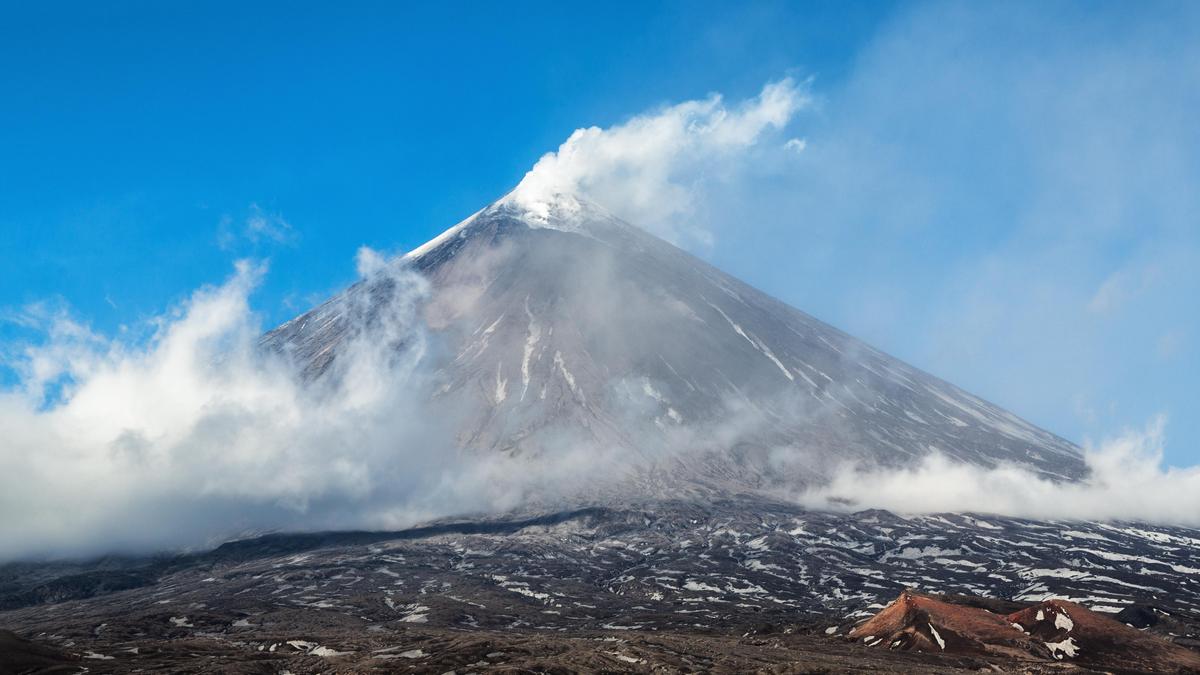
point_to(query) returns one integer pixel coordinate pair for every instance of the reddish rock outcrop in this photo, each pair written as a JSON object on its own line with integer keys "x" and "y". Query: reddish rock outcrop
{"x": 1053, "y": 630}
{"x": 915, "y": 622}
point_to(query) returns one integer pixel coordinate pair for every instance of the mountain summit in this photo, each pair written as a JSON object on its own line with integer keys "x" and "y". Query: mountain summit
{"x": 556, "y": 323}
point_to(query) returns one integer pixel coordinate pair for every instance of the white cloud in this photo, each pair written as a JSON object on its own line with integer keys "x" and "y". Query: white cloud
{"x": 1127, "y": 482}
{"x": 796, "y": 144}
{"x": 369, "y": 262}
{"x": 650, "y": 169}
{"x": 264, "y": 226}
{"x": 198, "y": 434}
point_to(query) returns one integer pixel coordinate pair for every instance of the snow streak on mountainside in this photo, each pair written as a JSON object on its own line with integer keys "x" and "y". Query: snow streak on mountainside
{"x": 556, "y": 325}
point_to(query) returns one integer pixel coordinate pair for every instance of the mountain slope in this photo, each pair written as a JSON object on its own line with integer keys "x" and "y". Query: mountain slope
{"x": 557, "y": 324}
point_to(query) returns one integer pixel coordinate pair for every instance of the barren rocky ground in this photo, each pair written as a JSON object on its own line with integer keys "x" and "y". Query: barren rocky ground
{"x": 677, "y": 587}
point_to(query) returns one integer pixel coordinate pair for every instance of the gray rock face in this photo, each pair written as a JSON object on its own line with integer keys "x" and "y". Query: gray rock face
{"x": 557, "y": 323}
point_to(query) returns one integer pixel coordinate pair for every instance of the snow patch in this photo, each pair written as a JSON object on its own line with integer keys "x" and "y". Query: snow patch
{"x": 937, "y": 636}
{"x": 531, "y": 340}
{"x": 562, "y": 367}
{"x": 1061, "y": 620}
{"x": 501, "y": 384}
{"x": 1066, "y": 648}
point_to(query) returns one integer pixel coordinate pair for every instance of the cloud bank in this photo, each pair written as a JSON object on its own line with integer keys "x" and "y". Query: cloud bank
{"x": 1127, "y": 482}
{"x": 197, "y": 434}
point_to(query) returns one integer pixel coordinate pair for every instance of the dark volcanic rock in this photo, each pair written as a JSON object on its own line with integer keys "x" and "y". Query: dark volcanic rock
{"x": 75, "y": 586}
{"x": 19, "y": 656}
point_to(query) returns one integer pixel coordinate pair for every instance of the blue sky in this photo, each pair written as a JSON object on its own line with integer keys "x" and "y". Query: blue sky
{"x": 1001, "y": 194}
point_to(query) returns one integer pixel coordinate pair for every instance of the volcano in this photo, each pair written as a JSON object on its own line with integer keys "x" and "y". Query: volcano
{"x": 551, "y": 327}
{"x": 556, "y": 323}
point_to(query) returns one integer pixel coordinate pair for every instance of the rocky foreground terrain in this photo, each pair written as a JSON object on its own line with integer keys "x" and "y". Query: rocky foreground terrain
{"x": 668, "y": 587}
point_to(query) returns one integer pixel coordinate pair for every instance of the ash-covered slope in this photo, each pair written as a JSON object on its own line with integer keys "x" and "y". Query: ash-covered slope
{"x": 557, "y": 324}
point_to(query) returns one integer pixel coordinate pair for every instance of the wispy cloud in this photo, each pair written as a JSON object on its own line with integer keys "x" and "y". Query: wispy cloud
{"x": 796, "y": 144}
{"x": 1123, "y": 286}
{"x": 257, "y": 227}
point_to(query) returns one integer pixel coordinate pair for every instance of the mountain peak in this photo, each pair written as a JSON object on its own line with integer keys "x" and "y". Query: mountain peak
{"x": 545, "y": 209}
{"x": 536, "y": 209}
